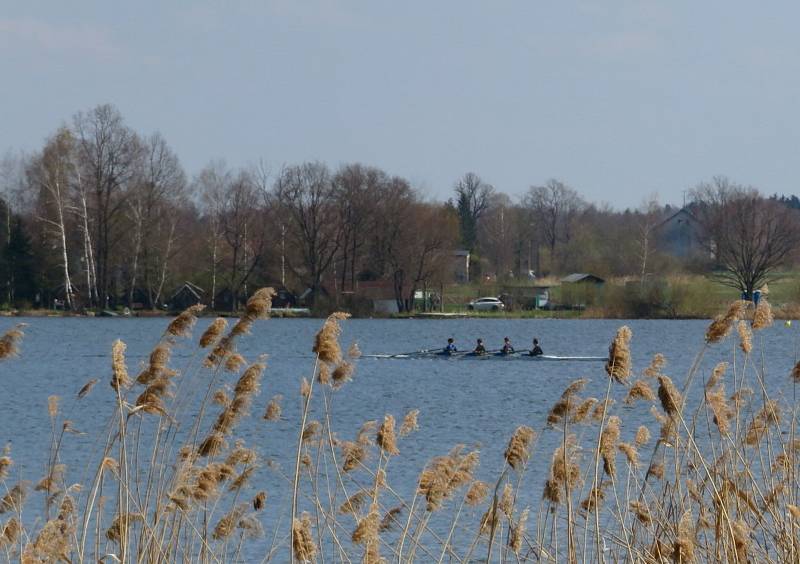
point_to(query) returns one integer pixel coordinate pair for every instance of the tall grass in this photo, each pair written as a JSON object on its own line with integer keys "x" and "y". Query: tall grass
{"x": 714, "y": 482}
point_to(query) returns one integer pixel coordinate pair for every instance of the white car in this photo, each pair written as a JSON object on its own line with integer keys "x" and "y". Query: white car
{"x": 486, "y": 304}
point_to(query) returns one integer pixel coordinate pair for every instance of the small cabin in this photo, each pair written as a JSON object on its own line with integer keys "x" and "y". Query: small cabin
{"x": 185, "y": 295}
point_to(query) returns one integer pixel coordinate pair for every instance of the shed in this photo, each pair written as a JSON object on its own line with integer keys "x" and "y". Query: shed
{"x": 187, "y": 294}
{"x": 380, "y": 293}
{"x": 582, "y": 278}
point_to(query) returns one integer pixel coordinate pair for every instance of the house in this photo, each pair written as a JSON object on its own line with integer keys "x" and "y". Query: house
{"x": 187, "y": 294}
{"x": 460, "y": 265}
{"x": 679, "y": 235}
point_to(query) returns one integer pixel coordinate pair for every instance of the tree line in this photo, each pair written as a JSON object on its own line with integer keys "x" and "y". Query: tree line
{"x": 103, "y": 216}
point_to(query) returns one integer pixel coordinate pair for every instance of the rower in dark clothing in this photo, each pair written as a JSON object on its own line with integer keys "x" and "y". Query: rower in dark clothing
{"x": 536, "y": 350}
{"x": 508, "y": 348}
{"x": 480, "y": 350}
{"x": 450, "y": 348}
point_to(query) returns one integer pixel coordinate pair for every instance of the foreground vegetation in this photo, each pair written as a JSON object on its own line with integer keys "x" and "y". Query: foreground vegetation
{"x": 714, "y": 480}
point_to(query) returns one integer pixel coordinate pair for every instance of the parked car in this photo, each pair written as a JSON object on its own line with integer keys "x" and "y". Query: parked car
{"x": 486, "y": 304}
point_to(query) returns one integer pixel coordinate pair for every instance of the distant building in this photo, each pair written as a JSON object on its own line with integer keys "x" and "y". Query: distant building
{"x": 679, "y": 234}
{"x": 187, "y": 294}
{"x": 460, "y": 265}
{"x": 579, "y": 290}
{"x": 582, "y": 278}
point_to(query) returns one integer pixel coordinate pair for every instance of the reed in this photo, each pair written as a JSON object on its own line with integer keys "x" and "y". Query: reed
{"x": 720, "y": 482}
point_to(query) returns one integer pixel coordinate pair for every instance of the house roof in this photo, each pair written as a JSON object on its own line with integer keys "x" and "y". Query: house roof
{"x": 681, "y": 212}
{"x": 581, "y": 277}
{"x": 193, "y": 289}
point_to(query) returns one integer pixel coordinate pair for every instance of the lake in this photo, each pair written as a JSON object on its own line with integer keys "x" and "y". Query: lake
{"x": 477, "y": 403}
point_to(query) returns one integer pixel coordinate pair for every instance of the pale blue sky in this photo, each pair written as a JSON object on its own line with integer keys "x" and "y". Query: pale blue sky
{"x": 618, "y": 99}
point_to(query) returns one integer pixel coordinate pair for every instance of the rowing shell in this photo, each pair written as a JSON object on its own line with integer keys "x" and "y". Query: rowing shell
{"x": 490, "y": 355}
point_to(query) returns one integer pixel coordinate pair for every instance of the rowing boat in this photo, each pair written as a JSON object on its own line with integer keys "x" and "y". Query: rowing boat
{"x": 491, "y": 355}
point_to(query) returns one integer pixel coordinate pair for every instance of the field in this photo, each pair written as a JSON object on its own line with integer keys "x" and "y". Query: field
{"x": 715, "y": 482}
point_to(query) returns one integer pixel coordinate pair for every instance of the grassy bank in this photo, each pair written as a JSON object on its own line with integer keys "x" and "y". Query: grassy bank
{"x": 715, "y": 482}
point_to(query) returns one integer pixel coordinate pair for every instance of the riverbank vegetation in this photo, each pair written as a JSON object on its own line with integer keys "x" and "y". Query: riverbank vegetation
{"x": 104, "y": 217}
{"x": 712, "y": 477}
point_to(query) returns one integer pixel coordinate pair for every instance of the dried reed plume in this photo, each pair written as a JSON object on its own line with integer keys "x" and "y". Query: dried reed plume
{"x": 716, "y": 400}
{"x": 9, "y": 342}
{"x": 516, "y": 453}
{"x": 213, "y": 332}
{"x": 642, "y": 512}
{"x": 608, "y": 445}
{"x": 721, "y": 326}
{"x": 795, "y": 374}
{"x": 234, "y": 362}
{"x": 273, "y": 412}
{"x": 476, "y": 493}
{"x": 310, "y": 430}
{"x": 601, "y": 408}
{"x": 342, "y": 374}
{"x": 354, "y": 352}
{"x": 159, "y": 357}
{"x": 122, "y": 523}
{"x": 87, "y": 387}
{"x": 259, "y": 501}
{"x": 565, "y": 473}
{"x": 618, "y": 365}
{"x": 640, "y": 390}
{"x": 323, "y": 374}
{"x": 683, "y": 549}
{"x": 353, "y": 455}
{"x": 326, "y": 342}
{"x": 10, "y": 532}
{"x": 182, "y": 325}
{"x": 583, "y": 410}
{"x": 227, "y": 524}
{"x": 391, "y": 519}
{"x": 594, "y": 500}
{"x": 630, "y": 452}
{"x": 386, "y": 438}
{"x": 366, "y": 530}
{"x": 52, "y": 406}
{"x": 745, "y": 337}
{"x": 302, "y": 539}
{"x": 769, "y": 414}
{"x": 409, "y": 424}
{"x": 517, "y": 532}
{"x": 642, "y": 436}
{"x": 762, "y": 317}
{"x": 5, "y": 463}
{"x": 14, "y": 499}
{"x": 671, "y": 400}
{"x": 717, "y": 374}
{"x": 119, "y": 371}
{"x": 656, "y": 469}
{"x": 260, "y": 304}
{"x": 444, "y": 475}
{"x": 354, "y": 503}
{"x": 656, "y": 364}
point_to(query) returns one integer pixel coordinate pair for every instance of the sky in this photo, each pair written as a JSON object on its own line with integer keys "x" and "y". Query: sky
{"x": 619, "y": 99}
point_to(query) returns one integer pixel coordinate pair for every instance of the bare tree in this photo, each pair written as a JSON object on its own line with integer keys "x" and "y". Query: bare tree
{"x": 305, "y": 194}
{"x": 108, "y": 152}
{"x": 472, "y": 201}
{"x": 554, "y": 207}
{"x": 646, "y": 221}
{"x": 750, "y": 236}
{"x": 160, "y": 188}
{"x": 53, "y": 173}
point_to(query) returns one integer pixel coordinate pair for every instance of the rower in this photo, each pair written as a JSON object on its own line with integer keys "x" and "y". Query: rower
{"x": 480, "y": 350}
{"x": 536, "y": 350}
{"x": 508, "y": 348}
{"x": 450, "y": 348}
